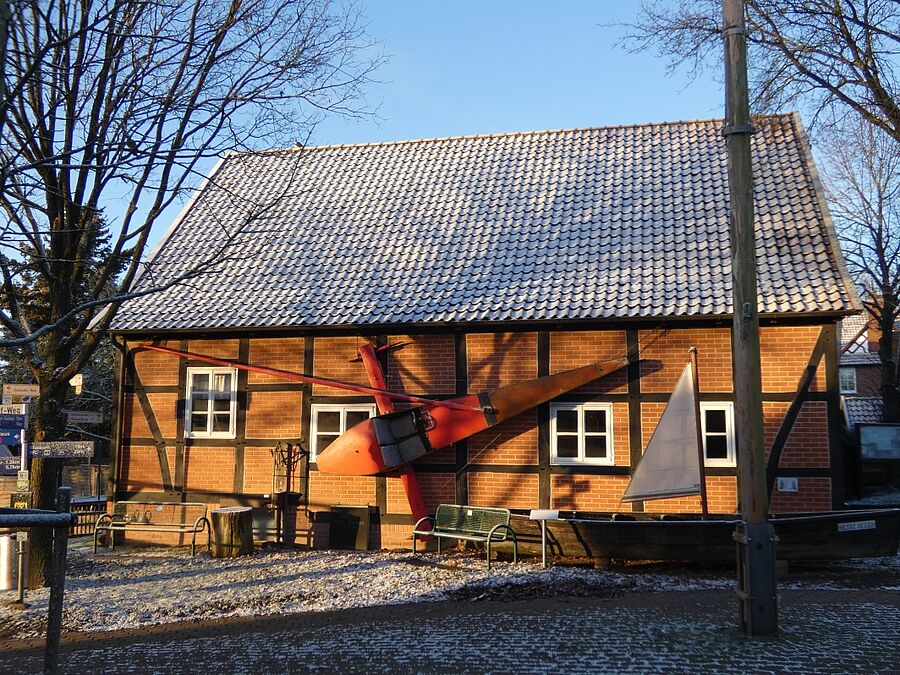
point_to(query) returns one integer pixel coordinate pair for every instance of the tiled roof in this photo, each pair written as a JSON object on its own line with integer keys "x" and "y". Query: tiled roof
{"x": 862, "y": 409}
{"x": 860, "y": 359}
{"x": 584, "y": 224}
{"x": 852, "y": 329}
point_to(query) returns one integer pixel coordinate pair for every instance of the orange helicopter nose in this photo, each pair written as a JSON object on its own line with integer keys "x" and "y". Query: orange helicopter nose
{"x": 354, "y": 453}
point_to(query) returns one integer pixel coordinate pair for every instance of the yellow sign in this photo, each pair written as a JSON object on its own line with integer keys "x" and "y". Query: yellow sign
{"x": 20, "y": 500}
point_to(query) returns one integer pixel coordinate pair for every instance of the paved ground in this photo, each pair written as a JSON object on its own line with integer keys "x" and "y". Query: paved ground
{"x": 821, "y": 631}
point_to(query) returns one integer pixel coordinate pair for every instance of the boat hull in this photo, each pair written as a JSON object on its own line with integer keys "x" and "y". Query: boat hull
{"x": 812, "y": 536}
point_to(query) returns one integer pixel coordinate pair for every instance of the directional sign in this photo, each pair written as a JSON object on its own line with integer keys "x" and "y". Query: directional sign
{"x": 14, "y": 409}
{"x": 8, "y": 464}
{"x": 20, "y": 393}
{"x": 84, "y": 417}
{"x": 62, "y": 449}
{"x": 9, "y": 436}
{"x": 13, "y": 421}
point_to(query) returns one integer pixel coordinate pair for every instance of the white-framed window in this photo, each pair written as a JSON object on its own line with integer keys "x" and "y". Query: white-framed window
{"x": 847, "y": 378}
{"x": 328, "y": 421}
{"x": 717, "y": 422}
{"x": 211, "y": 407}
{"x": 581, "y": 433}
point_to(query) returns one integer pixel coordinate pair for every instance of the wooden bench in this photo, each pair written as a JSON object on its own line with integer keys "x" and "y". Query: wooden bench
{"x": 179, "y": 517}
{"x": 468, "y": 523}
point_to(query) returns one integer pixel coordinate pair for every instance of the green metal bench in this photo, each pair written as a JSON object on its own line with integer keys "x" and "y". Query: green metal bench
{"x": 468, "y": 523}
{"x": 178, "y": 517}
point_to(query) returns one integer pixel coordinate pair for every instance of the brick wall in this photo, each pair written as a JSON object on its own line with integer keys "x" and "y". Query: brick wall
{"x": 498, "y": 359}
{"x": 574, "y": 349}
{"x": 280, "y": 353}
{"x": 664, "y": 359}
{"x": 512, "y": 490}
{"x": 332, "y": 358}
{"x": 427, "y": 366}
{"x": 274, "y": 414}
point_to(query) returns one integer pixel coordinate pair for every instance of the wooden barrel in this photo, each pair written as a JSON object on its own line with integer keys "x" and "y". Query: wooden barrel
{"x": 232, "y": 531}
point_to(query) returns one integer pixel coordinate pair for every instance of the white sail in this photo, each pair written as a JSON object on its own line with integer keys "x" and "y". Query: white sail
{"x": 669, "y": 467}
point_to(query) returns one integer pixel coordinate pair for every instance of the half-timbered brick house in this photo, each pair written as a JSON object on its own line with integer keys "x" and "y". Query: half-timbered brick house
{"x": 494, "y": 259}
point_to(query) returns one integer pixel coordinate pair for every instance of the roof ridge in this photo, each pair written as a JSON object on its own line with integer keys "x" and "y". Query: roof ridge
{"x": 507, "y": 134}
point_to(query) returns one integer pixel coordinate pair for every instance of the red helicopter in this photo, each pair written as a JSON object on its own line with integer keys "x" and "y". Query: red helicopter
{"x": 390, "y": 441}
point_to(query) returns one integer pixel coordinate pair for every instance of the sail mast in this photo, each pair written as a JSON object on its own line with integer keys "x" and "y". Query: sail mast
{"x": 701, "y": 456}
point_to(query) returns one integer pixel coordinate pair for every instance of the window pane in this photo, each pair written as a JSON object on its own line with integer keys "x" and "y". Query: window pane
{"x": 222, "y": 382}
{"x": 717, "y": 447}
{"x": 199, "y": 405}
{"x": 567, "y": 446}
{"x": 715, "y": 421}
{"x": 200, "y": 381}
{"x": 221, "y": 422}
{"x": 595, "y": 447}
{"x": 567, "y": 420}
{"x": 323, "y": 441}
{"x": 354, "y": 417}
{"x": 328, "y": 421}
{"x": 595, "y": 421}
{"x": 198, "y": 422}
{"x": 222, "y": 404}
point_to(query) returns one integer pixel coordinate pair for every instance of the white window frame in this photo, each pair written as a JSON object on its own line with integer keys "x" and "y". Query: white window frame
{"x": 189, "y": 431}
{"x": 580, "y": 408}
{"x": 843, "y": 371}
{"x": 343, "y": 409}
{"x": 730, "y": 459}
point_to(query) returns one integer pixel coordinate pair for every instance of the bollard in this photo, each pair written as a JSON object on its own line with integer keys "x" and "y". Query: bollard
{"x": 57, "y": 583}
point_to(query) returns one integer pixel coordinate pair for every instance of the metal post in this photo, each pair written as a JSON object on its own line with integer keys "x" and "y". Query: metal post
{"x": 57, "y": 584}
{"x": 21, "y": 539}
{"x": 544, "y": 544}
{"x": 756, "y": 587}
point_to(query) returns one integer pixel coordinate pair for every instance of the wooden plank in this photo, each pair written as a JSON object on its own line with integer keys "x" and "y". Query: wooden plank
{"x": 635, "y": 440}
{"x": 543, "y": 419}
{"x": 147, "y": 409}
{"x": 461, "y": 366}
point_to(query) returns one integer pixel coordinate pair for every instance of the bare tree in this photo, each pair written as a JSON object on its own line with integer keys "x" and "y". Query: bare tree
{"x": 111, "y": 105}
{"x": 862, "y": 177}
{"x": 833, "y": 56}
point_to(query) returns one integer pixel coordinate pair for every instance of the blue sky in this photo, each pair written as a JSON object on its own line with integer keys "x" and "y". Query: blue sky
{"x": 462, "y": 67}
{"x": 465, "y": 67}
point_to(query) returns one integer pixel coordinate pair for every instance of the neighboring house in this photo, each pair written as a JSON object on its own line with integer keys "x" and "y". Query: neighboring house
{"x": 497, "y": 259}
{"x": 860, "y": 376}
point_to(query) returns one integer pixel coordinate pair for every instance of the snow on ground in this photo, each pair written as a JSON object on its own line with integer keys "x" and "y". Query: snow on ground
{"x": 139, "y": 586}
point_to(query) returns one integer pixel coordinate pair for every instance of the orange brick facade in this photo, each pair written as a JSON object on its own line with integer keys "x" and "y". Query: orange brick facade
{"x": 508, "y": 465}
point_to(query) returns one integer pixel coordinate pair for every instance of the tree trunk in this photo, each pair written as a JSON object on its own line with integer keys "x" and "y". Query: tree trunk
{"x": 49, "y": 423}
{"x": 232, "y": 531}
{"x": 889, "y": 393}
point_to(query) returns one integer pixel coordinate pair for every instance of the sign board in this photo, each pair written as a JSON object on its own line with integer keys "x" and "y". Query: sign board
{"x": 10, "y": 436}
{"x": 62, "y": 449}
{"x": 857, "y": 525}
{"x": 879, "y": 441}
{"x": 20, "y": 500}
{"x": 84, "y": 417}
{"x": 10, "y": 464}
{"x": 14, "y": 409}
{"x": 20, "y": 393}
{"x": 22, "y": 481}
{"x": 13, "y": 421}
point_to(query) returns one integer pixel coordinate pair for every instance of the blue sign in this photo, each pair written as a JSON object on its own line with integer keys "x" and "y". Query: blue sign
{"x": 8, "y": 436}
{"x": 13, "y": 421}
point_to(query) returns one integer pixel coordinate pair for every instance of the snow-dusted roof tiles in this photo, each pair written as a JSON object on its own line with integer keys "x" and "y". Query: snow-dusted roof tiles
{"x": 584, "y": 224}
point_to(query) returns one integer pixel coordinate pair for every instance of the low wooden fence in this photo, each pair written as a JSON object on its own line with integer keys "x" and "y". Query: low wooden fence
{"x": 87, "y": 510}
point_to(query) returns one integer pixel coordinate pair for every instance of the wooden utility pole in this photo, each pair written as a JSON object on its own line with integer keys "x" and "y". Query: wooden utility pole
{"x": 755, "y": 536}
